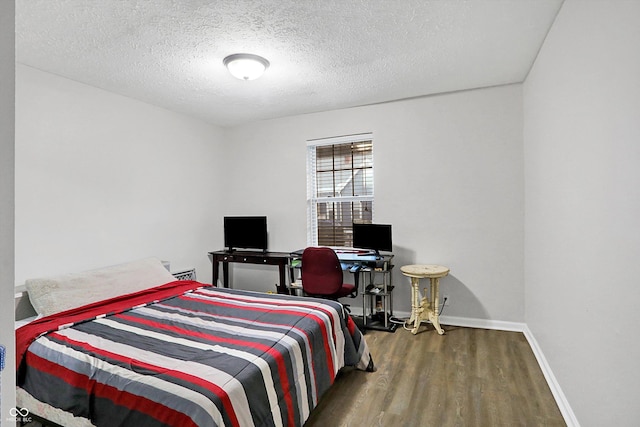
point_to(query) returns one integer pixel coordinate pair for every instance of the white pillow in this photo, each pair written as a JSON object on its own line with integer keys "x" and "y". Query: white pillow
{"x": 51, "y": 295}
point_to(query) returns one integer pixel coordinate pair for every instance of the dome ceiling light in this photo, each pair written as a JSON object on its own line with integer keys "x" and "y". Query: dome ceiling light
{"x": 245, "y": 66}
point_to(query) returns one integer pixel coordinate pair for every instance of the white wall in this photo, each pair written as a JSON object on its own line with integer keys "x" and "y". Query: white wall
{"x": 582, "y": 174}
{"x": 103, "y": 179}
{"x": 7, "y": 90}
{"x": 448, "y": 177}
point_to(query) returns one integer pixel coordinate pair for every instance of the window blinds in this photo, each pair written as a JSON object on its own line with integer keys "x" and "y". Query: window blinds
{"x": 339, "y": 188}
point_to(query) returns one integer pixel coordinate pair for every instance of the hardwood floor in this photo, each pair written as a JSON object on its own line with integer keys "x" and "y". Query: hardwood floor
{"x": 467, "y": 377}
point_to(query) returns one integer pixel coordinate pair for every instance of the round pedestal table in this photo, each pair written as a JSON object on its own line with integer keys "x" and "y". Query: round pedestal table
{"x": 428, "y": 308}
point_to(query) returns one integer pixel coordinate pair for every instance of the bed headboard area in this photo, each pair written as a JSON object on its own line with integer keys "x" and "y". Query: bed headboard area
{"x": 48, "y": 295}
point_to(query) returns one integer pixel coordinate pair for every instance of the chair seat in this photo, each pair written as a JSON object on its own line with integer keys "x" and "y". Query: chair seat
{"x": 346, "y": 290}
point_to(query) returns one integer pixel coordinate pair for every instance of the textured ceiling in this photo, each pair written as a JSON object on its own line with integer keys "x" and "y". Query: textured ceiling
{"x": 324, "y": 54}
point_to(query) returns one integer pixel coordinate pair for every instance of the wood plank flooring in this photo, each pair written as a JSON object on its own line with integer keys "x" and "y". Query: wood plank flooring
{"x": 467, "y": 377}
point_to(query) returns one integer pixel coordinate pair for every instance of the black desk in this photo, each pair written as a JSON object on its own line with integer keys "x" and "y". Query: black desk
{"x": 281, "y": 259}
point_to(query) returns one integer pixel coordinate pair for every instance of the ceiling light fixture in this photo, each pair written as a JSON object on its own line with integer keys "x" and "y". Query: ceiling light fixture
{"x": 245, "y": 66}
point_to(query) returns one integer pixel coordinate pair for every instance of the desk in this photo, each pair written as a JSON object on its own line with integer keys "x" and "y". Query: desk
{"x": 348, "y": 258}
{"x": 364, "y": 261}
{"x": 372, "y": 265}
{"x": 427, "y": 309}
{"x": 281, "y": 259}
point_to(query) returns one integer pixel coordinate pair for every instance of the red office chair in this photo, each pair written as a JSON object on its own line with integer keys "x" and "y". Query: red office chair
{"x": 322, "y": 275}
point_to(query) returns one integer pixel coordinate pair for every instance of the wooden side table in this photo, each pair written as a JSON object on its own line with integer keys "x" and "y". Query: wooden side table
{"x": 428, "y": 308}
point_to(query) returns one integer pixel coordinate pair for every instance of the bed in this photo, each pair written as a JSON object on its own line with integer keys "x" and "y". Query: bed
{"x": 181, "y": 353}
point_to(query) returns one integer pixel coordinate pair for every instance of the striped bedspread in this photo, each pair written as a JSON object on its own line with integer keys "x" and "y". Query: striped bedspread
{"x": 184, "y": 354}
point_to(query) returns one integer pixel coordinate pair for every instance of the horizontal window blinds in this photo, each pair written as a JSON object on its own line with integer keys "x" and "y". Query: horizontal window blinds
{"x": 339, "y": 188}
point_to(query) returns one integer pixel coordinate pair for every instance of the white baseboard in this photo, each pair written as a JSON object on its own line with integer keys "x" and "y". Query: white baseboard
{"x": 468, "y": 322}
{"x": 556, "y": 390}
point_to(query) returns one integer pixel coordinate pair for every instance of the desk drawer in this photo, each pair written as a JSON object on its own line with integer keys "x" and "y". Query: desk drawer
{"x": 253, "y": 259}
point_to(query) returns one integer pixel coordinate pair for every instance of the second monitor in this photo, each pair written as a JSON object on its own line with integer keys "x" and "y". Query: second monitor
{"x": 376, "y": 237}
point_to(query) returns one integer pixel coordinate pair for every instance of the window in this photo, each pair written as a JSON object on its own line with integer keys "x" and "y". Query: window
{"x": 339, "y": 188}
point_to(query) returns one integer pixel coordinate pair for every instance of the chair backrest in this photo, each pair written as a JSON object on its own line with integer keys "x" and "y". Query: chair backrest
{"x": 321, "y": 271}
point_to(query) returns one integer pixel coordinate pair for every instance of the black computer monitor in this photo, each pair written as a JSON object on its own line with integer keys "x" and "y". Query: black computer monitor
{"x": 246, "y": 232}
{"x": 376, "y": 237}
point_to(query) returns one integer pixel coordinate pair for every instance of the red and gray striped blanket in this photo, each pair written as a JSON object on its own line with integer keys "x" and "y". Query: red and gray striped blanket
{"x": 185, "y": 354}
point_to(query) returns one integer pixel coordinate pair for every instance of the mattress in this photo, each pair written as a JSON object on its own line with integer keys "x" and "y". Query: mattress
{"x": 187, "y": 354}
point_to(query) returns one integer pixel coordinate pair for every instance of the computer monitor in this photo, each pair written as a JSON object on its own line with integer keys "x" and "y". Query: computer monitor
{"x": 246, "y": 232}
{"x": 376, "y": 237}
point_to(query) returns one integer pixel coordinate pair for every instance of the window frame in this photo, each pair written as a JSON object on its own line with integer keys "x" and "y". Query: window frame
{"x": 313, "y": 200}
